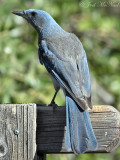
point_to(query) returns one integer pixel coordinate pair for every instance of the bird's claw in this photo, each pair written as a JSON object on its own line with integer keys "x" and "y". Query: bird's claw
{"x": 53, "y": 104}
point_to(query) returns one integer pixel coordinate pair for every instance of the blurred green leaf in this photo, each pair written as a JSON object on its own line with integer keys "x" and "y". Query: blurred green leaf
{"x": 24, "y": 80}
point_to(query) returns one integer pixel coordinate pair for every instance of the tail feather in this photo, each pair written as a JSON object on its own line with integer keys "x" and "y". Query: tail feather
{"x": 92, "y": 145}
{"x": 67, "y": 136}
{"x": 79, "y": 133}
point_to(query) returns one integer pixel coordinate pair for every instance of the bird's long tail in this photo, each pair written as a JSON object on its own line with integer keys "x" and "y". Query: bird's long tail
{"x": 79, "y": 133}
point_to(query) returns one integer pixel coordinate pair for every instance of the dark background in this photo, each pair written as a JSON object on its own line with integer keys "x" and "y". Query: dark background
{"x": 24, "y": 80}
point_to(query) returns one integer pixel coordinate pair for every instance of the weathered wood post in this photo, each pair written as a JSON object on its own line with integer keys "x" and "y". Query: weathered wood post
{"x": 17, "y": 131}
{"x": 18, "y": 134}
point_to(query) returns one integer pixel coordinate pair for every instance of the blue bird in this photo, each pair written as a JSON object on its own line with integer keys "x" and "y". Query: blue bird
{"x": 65, "y": 59}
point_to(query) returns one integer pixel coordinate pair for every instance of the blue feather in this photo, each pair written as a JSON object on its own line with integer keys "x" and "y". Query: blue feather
{"x": 81, "y": 136}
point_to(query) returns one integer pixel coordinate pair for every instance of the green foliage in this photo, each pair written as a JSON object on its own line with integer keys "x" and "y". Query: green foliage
{"x": 24, "y": 80}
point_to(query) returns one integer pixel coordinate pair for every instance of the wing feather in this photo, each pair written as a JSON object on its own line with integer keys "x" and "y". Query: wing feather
{"x": 67, "y": 62}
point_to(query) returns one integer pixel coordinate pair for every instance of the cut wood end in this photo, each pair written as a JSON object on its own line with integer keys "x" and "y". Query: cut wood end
{"x": 115, "y": 116}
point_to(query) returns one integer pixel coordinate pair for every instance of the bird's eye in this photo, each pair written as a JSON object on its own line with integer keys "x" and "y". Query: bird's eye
{"x": 33, "y": 14}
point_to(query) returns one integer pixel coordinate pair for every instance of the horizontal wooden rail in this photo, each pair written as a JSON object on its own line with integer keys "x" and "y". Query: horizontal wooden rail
{"x": 19, "y": 136}
{"x": 51, "y": 126}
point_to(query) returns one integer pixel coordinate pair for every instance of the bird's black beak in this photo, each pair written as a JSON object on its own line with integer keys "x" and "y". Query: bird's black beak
{"x": 22, "y": 14}
{"x": 19, "y": 13}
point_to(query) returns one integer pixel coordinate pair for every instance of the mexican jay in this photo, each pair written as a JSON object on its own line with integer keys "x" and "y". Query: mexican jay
{"x": 65, "y": 59}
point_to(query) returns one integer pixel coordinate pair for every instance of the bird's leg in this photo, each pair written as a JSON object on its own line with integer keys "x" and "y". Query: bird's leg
{"x": 53, "y": 99}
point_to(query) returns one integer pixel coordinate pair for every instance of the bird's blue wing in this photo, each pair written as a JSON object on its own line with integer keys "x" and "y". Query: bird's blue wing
{"x": 70, "y": 72}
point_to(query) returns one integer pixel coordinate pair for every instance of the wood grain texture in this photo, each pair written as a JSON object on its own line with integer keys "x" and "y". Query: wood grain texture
{"x": 51, "y": 126}
{"x": 50, "y": 135}
{"x": 20, "y": 117}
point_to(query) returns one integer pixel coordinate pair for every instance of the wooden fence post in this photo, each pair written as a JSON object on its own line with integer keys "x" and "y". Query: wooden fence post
{"x": 18, "y": 134}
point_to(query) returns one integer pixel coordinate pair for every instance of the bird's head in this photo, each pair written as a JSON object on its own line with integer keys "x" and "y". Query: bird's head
{"x": 40, "y": 20}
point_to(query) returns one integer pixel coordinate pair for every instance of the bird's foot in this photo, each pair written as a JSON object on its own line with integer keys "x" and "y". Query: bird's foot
{"x": 53, "y": 104}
